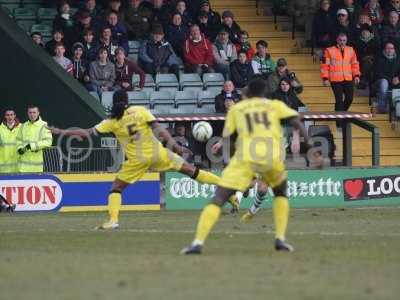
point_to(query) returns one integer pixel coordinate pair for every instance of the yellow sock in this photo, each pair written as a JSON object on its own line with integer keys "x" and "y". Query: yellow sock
{"x": 208, "y": 218}
{"x": 114, "y": 205}
{"x": 281, "y": 216}
{"x": 207, "y": 177}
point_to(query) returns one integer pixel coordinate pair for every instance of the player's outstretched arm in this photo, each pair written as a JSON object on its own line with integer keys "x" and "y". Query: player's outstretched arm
{"x": 164, "y": 136}
{"x": 84, "y": 133}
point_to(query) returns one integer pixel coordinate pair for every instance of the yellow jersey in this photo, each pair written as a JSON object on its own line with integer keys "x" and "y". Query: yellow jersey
{"x": 133, "y": 132}
{"x": 257, "y": 122}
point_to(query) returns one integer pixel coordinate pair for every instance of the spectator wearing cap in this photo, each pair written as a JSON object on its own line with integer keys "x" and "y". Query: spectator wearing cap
{"x": 157, "y": 54}
{"x": 37, "y": 38}
{"x": 118, "y": 30}
{"x": 82, "y": 24}
{"x": 137, "y": 19}
{"x": 80, "y": 67}
{"x": 241, "y": 70}
{"x": 231, "y": 26}
{"x": 64, "y": 21}
{"x": 180, "y": 8}
{"x": 343, "y": 25}
{"x": 59, "y": 57}
{"x": 89, "y": 45}
{"x": 102, "y": 73}
{"x": 124, "y": 71}
{"x": 213, "y": 18}
{"x": 224, "y": 52}
{"x": 107, "y": 41}
{"x": 285, "y": 92}
{"x": 177, "y": 33}
{"x": 391, "y": 30}
{"x": 323, "y": 22}
{"x": 280, "y": 72}
{"x": 386, "y": 75}
{"x": 353, "y": 9}
{"x": 303, "y": 11}
{"x": 262, "y": 62}
{"x": 161, "y": 12}
{"x": 198, "y": 53}
{"x": 205, "y": 28}
{"x": 367, "y": 46}
{"x": 244, "y": 45}
{"x": 58, "y": 37}
{"x": 373, "y": 9}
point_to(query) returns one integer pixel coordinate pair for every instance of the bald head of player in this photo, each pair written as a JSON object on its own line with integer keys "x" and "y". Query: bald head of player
{"x": 257, "y": 88}
{"x": 120, "y": 103}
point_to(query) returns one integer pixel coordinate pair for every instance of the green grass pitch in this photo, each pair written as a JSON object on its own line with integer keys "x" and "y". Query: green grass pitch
{"x": 340, "y": 254}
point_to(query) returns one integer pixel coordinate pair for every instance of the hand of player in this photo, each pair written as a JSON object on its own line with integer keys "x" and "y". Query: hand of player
{"x": 216, "y": 147}
{"x": 357, "y": 80}
{"x": 54, "y": 130}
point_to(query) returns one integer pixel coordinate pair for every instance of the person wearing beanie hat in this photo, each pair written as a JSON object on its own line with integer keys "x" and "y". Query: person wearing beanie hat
{"x": 213, "y": 19}
{"x": 224, "y": 52}
{"x": 280, "y": 72}
{"x": 209, "y": 31}
{"x": 80, "y": 67}
{"x": 157, "y": 55}
{"x": 231, "y": 26}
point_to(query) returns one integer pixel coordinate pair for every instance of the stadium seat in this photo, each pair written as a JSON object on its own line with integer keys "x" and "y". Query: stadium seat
{"x": 10, "y": 4}
{"x": 186, "y": 97}
{"x": 162, "y": 99}
{"x": 213, "y": 79}
{"x": 139, "y": 98}
{"x": 187, "y": 109}
{"x": 95, "y": 95}
{"x": 46, "y": 15}
{"x": 106, "y": 100}
{"x": 45, "y": 30}
{"x": 134, "y": 47}
{"x": 25, "y": 18}
{"x": 207, "y": 97}
{"x": 191, "y": 81}
{"x": 32, "y": 4}
{"x": 206, "y": 109}
{"x": 167, "y": 82}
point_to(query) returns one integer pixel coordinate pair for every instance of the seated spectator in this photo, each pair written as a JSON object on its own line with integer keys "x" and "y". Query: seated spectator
{"x": 303, "y": 11}
{"x": 209, "y": 31}
{"x": 241, "y": 70}
{"x": 58, "y": 37}
{"x": 323, "y": 23}
{"x": 80, "y": 69}
{"x": 65, "y": 63}
{"x": 393, "y": 5}
{"x": 182, "y": 139}
{"x": 93, "y": 9}
{"x": 286, "y": 93}
{"x": 82, "y": 24}
{"x": 244, "y": 45}
{"x": 37, "y": 39}
{"x": 113, "y": 6}
{"x": 161, "y": 12}
{"x": 118, "y": 30}
{"x": 224, "y": 53}
{"x": 157, "y": 55}
{"x": 102, "y": 73}
{"x": 213, "y": 18}
{"x": 386, "y": 74}
{"x": 137, "y": 20}
{"x": 231, "y": 26}
{"x": 374, "y": 11}
{"x": 364, "y": 19}
{"x": 226, "y": 98}
{"x": 181, "y": 9}
{"x": 177, "y": 33}
{"x": 89, "y": 46}
{"x": 64, "y": 22}
{"x": 391, "y": 30}
{"x": 282, "y": 71}
{"x": 262, "y": 62}
{"x": 366, "y": 46}
{"x": 343, "y": 25}
{"x": 198, "y": 54}
{"x": 353, "y": 9}
{"x": 124, "y": 70}
{"x": 106, "y": 41}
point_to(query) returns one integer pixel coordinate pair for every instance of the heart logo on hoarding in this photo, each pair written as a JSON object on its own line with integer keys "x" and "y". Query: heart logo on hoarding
{"x": 354, "y": 187}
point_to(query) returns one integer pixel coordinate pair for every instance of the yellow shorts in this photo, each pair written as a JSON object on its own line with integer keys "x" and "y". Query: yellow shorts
{"x": 238, "y": 175}
{"x": 133, "y": 170}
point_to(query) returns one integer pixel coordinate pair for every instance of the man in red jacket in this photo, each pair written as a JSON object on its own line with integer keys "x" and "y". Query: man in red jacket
{"x": 198, "y": 53}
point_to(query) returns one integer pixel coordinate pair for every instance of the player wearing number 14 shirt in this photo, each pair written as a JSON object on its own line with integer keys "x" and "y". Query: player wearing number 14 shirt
{"x": 259, "y": 150}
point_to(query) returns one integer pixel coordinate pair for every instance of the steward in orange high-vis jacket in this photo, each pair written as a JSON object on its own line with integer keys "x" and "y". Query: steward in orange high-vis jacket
{"x": 340, "y": 68}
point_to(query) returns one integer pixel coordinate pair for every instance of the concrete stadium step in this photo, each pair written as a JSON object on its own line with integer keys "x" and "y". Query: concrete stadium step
{"x": 328, "y": 100}
{"x": 326, "y": 107}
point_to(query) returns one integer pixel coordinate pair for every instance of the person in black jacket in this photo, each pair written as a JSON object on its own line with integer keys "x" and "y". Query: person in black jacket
{"x": 231, "y": 26}
{"x": 323, "y": 22}
{"x": 64, "y": 22}
{"x": 286, "y": 93}
{"x": 213, "y": 18}
{"x": 241, "y": 70}
{"x": 80, "y": 67}
{"x": 58, "y": 37}
{"x": 177, "y": 33}
{"x": 209, "y": 31}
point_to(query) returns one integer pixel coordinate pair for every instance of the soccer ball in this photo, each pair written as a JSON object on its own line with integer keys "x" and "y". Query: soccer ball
{"x": 202, "y": 131}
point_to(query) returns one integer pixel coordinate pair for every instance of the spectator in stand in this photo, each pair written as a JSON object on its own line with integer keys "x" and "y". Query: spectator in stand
{"x": 102, "y": 73}
{"x": 83, "y": 23}
{"x": 37, "y": 38}
{"x": 323, "y": 22}
{"x": 231, "y": 26}
{"x": 286, "y": 93}
{"x": 303, "y": 11}
{"x": 65, "y": 63}
{"x": 80, "y": 69}
{"x": 124, "y": 70}
{"x": 157, "y": 54}
{"x": 393, "y": 5}
{"x": 213, "y": 18}
{"x": 374, "y": 11}
{"x": 9, "y": 129}
{"x": 386, "y": 75}
{"x": 367, "y": 46}
{"x": 391, "y": 30}
{"x": 118, "y": 30}
{"x": 137, "y": 20}
{"x": 241, "y": 70}
{"x": 106, "y": 41}
{"x": 340, "y": 68}
{"x": 93, "y": 9}
{"x": 182, "y": 140}
{"x": 228, "y": 96}
{"x": 363, "y": 20}
{"x": 161, "y": 12}
{"x": 181, "y": 9}
{"x": 177, "y": 33}
{"x": 282, "y": 71}
{"x": 224, "y": 53}
{"x": 64, "y": 22}
{"x": 113, "y": 6}
{"x": 244, "y": 45}
{"x": 353, "y": 9}
{"x": 206, "y": 29}
{"x": 198, "y": 53}
{"x": 89, "y": 45}
{"x": 262, "y": 62}
{"x": 58, "y": 37}
{"x": 343, "y": 25}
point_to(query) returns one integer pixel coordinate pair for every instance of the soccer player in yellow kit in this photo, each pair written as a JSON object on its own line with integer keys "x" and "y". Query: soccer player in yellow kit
{"x": 138, "y": 132}
{"x": 259, "y": 151}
